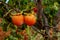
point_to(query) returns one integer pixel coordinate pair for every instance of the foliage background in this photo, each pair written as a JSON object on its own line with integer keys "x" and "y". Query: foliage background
{"x": 50, "y": 10}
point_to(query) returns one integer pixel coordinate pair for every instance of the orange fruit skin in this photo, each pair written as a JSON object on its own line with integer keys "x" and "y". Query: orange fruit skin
{"x": 30, "y": 20}
{"x": 18, "y": 20}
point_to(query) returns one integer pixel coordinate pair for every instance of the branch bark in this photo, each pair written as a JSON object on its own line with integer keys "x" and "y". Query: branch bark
{"x": 39, "y": 13}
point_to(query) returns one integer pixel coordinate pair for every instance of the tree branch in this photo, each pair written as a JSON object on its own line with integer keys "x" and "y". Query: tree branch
{"x": 1, "y": 2}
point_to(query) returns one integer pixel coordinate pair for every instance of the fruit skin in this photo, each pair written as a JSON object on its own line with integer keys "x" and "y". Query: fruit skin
{"x": 18, "y": 20}
{"x": 30, "y": 20}
{"x": 35, "y": 9}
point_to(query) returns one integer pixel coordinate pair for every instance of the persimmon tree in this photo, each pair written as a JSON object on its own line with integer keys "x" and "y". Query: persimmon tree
{"x": 19, "y": 17}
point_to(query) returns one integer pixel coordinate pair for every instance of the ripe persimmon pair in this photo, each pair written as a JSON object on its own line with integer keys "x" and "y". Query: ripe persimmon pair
{"x": 20, "y": 19}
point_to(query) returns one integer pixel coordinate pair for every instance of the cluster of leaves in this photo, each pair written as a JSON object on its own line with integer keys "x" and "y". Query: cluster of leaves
{"x": 21, "y": 4}
{"x": 51, "y": 8}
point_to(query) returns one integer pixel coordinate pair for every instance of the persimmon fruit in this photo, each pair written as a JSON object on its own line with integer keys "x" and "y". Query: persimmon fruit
{"x": 30, "y": 19}
{"x": 35, "y": 9}
{"x": 17, "y": 19}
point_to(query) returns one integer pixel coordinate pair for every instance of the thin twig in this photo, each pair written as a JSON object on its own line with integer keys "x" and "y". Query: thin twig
{"x": 7, "y": 13}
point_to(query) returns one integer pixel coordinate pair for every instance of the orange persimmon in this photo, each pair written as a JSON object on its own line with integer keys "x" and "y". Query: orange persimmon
{"x": 17, "y": 19}
{"x": 30, "y": 19}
